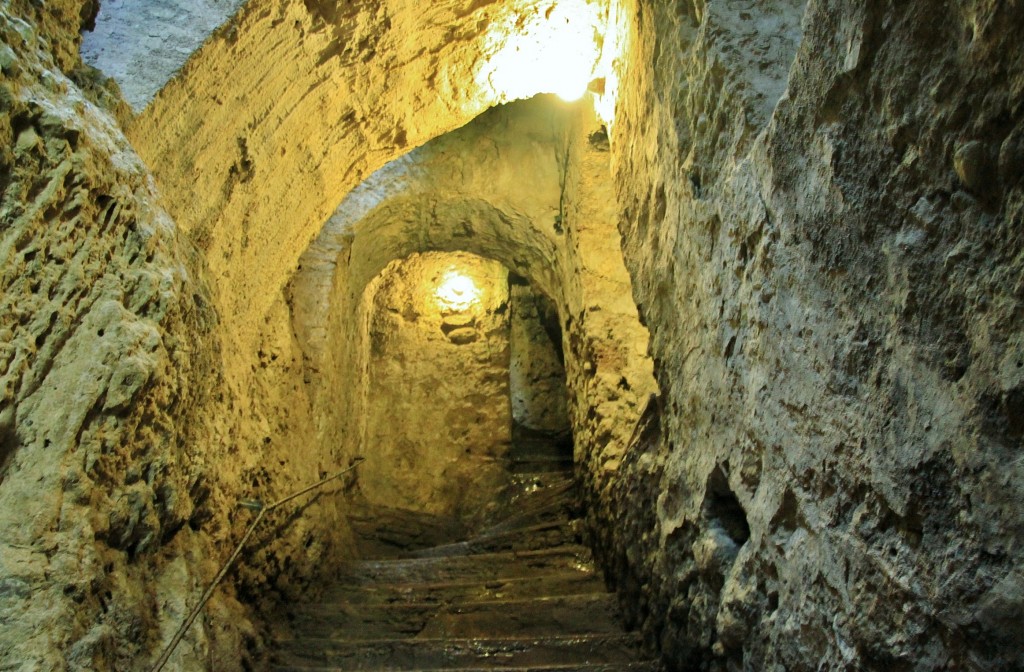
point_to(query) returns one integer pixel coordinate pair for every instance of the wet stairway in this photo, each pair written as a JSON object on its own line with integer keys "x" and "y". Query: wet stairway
{"x": 521, "y": 594}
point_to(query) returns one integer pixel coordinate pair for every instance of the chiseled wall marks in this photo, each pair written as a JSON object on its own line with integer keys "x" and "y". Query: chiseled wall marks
{"x": 821, "y": 214}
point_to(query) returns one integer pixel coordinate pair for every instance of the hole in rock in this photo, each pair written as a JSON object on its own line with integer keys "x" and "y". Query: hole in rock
{"x": 723, "y": 508}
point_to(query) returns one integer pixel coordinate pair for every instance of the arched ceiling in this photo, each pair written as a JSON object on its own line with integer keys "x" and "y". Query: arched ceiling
{"x": 490, "y": 188}
{"x": 274, "y": 121}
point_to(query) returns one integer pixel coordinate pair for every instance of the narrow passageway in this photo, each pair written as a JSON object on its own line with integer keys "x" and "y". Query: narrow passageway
{"x": 521, "y": 592}
{"x": 762, "y": 261}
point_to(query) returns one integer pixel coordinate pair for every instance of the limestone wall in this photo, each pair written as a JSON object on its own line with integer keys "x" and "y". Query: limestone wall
{"x": 126, "y": 444}
{"x": 820, "y": 206}
{"x": 270, "y": 125}
{"x": 106, "y": 352}
{"x": 204, "y": 398}
{"x": 609, "y": 371}
{"x": 491, "y": 188}
{"x": 536, "y": 372}
{"x": 821, "y": 210}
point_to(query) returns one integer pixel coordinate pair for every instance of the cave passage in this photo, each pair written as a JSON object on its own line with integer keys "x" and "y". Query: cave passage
{"x": 463, "y": 384}
{"x": 466, "y": 310}
{"x": 731, "y": 291}
{"x": 467, "y": 517}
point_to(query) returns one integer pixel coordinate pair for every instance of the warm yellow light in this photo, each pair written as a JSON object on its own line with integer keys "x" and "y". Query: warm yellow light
{"x": 457, "y": 291}
{"x": 551, "y": 50}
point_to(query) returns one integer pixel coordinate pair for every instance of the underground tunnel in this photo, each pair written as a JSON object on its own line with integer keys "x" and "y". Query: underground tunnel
{"x": 611, "y": 335}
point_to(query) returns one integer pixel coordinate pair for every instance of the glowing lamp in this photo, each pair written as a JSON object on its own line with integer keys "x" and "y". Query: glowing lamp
{"x": 457, "y": 291}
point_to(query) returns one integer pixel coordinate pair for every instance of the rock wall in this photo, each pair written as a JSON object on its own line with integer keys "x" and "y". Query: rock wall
{"x": 142, "y": 45}
{"x": 106, "y": 349}
{"x": 492, "y": 188}
{"x": 436, "y": 416}
{"x": 489, "y": 188}
{"x": 821, "y": 211}
{"x": 820, "y": 206}
{"x": 204, "y": 397}
{"x": 125, "y": 444}
{"x": 609, "y": 373}
{"x": 279, "y": 116}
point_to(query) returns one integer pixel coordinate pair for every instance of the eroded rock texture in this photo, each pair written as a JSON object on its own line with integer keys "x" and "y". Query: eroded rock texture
{"x": 105, "y": 353}
{"x": 125, "y": 450}
{"x": 502, "y": 187}
{"x": 820, "y": 207}
{"x": 826, "y": 246}
{"x": 437, "y": 417}
{"x": 536, "y": 368}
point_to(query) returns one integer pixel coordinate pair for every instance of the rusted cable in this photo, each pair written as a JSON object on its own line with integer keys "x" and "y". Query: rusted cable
{"x": 263, "y": 510}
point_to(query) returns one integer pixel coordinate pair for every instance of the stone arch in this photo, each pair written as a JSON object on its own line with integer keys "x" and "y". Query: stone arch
{"x": 253, "y": 180}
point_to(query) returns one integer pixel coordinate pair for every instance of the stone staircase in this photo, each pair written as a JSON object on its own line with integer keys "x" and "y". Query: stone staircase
{"x": 522, "y": 594}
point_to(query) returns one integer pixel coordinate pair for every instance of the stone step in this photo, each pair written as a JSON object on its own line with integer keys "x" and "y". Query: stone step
{"x": 521, "y": 594}
{"x": 533, "y": 513}
{"x": 593, "y": 613}
{"x": 548, "y": 482}
{"x": 481, "y": 566}
{"x": 639, "y": 666}
{"x": 456, "y": 653}
{"x": 550, "y": 534}
{"x": 530, "y": 516}
{"x": 536, "y": 584}
{"x": 383, "y": 532}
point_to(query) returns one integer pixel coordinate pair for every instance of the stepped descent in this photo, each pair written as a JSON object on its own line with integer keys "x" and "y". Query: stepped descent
{"x": 521, "y": 594}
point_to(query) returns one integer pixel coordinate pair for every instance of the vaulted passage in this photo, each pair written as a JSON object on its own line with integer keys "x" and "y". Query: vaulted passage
{"x": 462, "y": 315}
{"x": 611, "y": 334}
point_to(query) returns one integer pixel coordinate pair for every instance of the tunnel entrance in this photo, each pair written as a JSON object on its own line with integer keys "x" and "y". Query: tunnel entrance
{"x": 453, "y": 374}
{"x": 464, "y": 387}
{"x": 467, "y": 327}
{"x": 541, "y": 430}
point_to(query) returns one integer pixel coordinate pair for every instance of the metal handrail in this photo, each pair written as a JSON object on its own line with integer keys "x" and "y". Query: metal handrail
{"x": 263, "y": 510}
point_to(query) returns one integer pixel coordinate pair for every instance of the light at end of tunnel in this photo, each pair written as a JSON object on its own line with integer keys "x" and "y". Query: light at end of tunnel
{"x": 545, "y": 52}
{"x": 457, "y": 291}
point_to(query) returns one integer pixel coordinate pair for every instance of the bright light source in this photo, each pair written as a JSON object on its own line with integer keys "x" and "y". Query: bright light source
{"x": 551, "y": 51}
{"x": 616, "y": 36}
{"x": 457, "y": 291}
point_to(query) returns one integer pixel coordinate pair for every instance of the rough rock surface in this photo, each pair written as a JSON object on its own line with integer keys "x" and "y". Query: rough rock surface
{"x": 821, "y": 210}
{"x": 825, "y": 240}
{"x": 141, "y": 45}
{"x": 124, "y": 450}
{"x": 290, "y": 110}
{"x": 492, "y": 188}
{"x": 105, "y": 326}
{"x": 536, "y": 371}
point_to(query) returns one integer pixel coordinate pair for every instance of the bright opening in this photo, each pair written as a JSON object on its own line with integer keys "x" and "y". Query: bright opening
{"x": 552, "y": 50}
{"x": 457, "y": 291}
